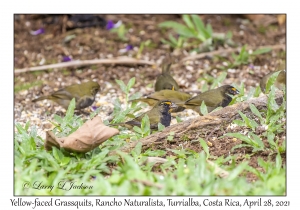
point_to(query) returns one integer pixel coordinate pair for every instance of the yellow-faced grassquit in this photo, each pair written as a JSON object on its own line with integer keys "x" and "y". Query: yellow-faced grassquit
{"x": 279, "y": 83}
{"x": 159, "y": 113}
{"x": 212, "y": 98}
{"x": 165, "y": 81}
{"x": 83, "y": 93}
{"x": 172, "y": 95}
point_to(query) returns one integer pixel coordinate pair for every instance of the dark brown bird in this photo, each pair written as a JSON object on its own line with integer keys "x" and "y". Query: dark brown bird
{"x": 165, "y": 81}
{"x": 159, "y": 113}
{"x": 83, "y": 93}
{"x": 279, "y": 83}
{"x": 172, "y": 95}
{"x": 212, "y": 98}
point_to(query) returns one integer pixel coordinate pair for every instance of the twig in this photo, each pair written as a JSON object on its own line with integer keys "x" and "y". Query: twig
{"x": 229, "y": 50}
{"x": 158, "y": 160}
{"x": 219, "y": 171}
{"x": 148, "y": 183}
{"x": 118, "y": 60}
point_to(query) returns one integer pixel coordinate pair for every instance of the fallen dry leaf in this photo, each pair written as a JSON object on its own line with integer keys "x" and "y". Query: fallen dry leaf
{"x": 90, "y": 135}
{"x": 281, "y": 19}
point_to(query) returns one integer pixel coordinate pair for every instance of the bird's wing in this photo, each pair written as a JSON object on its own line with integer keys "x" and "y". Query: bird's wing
{"x": 209, "y": 97}
{"x": 63, "y": 94}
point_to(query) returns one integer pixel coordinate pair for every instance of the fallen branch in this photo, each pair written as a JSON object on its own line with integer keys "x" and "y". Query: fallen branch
{"x": 113, "y": 61}
{"x": 226, "y": 51}
{"x": 206, "y": 122}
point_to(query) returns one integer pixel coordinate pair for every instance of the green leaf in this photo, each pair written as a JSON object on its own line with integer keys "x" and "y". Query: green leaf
{"x": 278, "y": 163}
{"x": 257, "y": 92}
{"x": 138, "y": 148}
{"x": 160, "y": 127}
{"x": 58, "y": 118}
{"x": 168, "y": 43}
{"x": 57, "y": 154}
{"x": 178, "y": 119}
{"x": 270, "y": 137}
{"x": 256, "y": 112}
{"x": 261, "y": 51}
{"x": 239, "y": 169}
{"x": 122, "y": 85}
{"x": 240, "y": 146}
{"x": 20, "y": 129}
{"x": 179, "y": 28}
{"x": 130, "y": 84}
{"x": 249, "y": 123}
{"x": 65, "y": 161}
{"x": 145, "y": 125}
{"x": 188, "y": 22}
{"x": 130, "y": 115}
{"x": 70, "y": 111}
{"x": 26, "y": 127}
{"x": 243, "y": 138}
{"x": 205, "y": 147}
{"x": 202, "y": 34}
{"x": 138, "y": 130}
{"x": 203, "y": 108}
{"x": 272, "y": 105}
{"x": 135, "y": 96}
{"x": 173, "y": 40}
{"x": 217, "y": 81}
{"x": 209, "y": 31}
{"x": 271, "y": 81}
{"x": 257, "y": 140}
{"x": 239, "y": 122}
{"x": 154, "y": 153}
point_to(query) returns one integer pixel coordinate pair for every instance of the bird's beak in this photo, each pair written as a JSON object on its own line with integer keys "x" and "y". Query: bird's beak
{"x": 235, "y": 91}
{"x": 173, "y": 106}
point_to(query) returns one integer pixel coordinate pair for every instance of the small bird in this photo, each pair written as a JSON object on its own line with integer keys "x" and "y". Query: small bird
{"x": 212, "y": 98}
{"x": 279, "y": 83}
{"x": 159, "y": 113}
{"x": 172, "y": 95}
{"x": 83, "y": 93}
{"x": 165, "y": 81}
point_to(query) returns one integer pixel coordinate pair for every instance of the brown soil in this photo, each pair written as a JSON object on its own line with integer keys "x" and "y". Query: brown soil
{"x": 96, "y": 43}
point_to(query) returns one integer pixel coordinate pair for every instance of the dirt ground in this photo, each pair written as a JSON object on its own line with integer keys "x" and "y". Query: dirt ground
{"x": 96, "y": 42}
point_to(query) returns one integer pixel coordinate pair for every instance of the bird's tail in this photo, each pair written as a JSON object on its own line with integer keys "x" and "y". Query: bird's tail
{"x": 167, "y": 64}
{"x": 40, "y": 98}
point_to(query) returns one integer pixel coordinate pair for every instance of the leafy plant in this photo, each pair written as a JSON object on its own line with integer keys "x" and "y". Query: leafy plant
{"x": 273, "y": 174}
{"x": 68, "y": 124}
{"x": 193, "y": 28}
{"x": 252, "y": 140}
{"x": 246, "y": 121}
{"x": 121, "y": 31}
{"x": 215, "y": 82}
{"x": 175, "y": 43}
{"x": 244, "y": 57}
{"x": 119, "y": 112}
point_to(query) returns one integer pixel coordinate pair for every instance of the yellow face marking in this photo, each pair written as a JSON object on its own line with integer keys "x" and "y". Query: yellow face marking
{"x": 169, "y": 103}
{"x": 233, "y": 89}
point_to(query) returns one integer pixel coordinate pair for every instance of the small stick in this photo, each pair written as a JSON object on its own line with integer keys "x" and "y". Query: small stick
{"x": 118, "y": 60}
